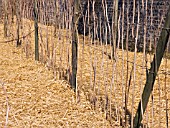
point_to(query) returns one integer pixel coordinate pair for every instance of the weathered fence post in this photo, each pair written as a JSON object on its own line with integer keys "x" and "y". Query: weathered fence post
{"x": 5, "y": 18}
{"x": 160, "y": 49}
{"x": 18, "y": 21}
{"x": 36, "y": 31}
{"x": 115, "y": 27}
{"x": 75, "y": 42}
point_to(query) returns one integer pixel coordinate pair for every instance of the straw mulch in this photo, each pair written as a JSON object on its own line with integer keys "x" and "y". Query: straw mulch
{"x": 155, "y": 115}
{"x": 37, "y": 100}
{"x": 31, "y": 98}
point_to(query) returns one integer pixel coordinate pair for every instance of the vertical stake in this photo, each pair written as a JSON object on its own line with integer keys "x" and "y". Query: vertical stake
{"x": 36, "y": 31}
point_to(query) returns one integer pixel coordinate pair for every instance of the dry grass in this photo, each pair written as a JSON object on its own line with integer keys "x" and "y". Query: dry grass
{"x": 36, "y": 100}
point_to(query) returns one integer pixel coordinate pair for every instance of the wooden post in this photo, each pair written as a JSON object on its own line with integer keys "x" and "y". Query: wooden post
{"x": 160, "y": 49}
{"x": 75, "y": 43}
{"x": 115, "y": 28}
{"x": 5, "y": 18}
{"x": 36, "y": 31}
{"x": 18, "y": 17}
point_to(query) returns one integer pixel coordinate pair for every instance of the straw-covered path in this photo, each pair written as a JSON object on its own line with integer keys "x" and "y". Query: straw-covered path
{"x": 29, "y": 97}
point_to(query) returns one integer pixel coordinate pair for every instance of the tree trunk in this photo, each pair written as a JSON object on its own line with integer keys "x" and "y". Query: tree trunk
{"x": 151, "y": 76}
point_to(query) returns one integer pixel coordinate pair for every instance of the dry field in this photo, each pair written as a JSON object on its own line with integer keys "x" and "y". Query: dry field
{"x": 31, "y": 96}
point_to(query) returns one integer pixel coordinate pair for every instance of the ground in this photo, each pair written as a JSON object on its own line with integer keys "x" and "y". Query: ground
{"x": 30, "y": 97}
{"x": 33, "y": 96}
